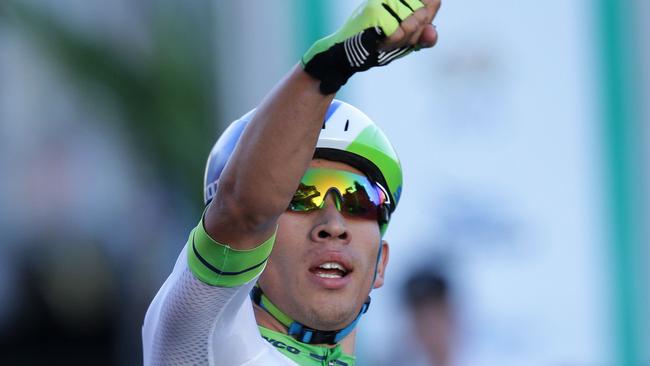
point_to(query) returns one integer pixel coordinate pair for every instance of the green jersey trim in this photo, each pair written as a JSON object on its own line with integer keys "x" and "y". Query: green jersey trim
{"x": 275, "y": 311}
{"x": 307, "y": 354}
{"x": 219, "y": 264}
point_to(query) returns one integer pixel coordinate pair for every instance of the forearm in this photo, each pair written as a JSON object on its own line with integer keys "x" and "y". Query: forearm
{"x": 271, "y": 156}
{"x": 274, "y": 150}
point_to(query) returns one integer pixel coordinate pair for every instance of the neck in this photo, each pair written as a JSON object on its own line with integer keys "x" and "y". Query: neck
{"x": 266, "y": 320}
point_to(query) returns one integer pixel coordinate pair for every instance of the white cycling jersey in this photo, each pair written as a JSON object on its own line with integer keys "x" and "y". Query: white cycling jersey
{"x": 203, "y": 315}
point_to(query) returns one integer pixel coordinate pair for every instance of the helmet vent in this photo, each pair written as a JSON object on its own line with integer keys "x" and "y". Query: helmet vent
{"x": 347, "y": 124}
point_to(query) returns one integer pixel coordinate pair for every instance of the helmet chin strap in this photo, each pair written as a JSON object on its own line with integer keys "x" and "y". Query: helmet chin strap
{"x": 304, "y": 333}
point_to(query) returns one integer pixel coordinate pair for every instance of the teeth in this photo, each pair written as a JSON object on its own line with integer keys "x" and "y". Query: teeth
{"x": 332, "y": 265}
{"x": 328, "y": 275}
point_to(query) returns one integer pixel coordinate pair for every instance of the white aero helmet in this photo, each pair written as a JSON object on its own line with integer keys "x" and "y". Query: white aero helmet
{"x": 347, "y": 135}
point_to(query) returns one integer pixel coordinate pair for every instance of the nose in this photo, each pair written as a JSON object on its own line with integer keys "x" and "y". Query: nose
{"x": 330, "y": 224}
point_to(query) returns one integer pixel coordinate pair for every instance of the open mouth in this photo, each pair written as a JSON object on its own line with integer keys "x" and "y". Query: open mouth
{"x": 330, "y": 270}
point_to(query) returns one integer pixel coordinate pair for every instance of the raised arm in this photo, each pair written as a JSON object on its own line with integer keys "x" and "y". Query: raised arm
{"x": 278, "y": 143}
{"x": 193, "y": 316}
{"x": 271, "y": 156}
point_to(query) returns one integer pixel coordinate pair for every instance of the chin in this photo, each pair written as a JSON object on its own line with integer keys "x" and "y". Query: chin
{"x": 331, "y": 315}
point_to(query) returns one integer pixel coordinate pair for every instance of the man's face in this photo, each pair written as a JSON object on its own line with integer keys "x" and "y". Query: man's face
{"x": 294, "y": 278}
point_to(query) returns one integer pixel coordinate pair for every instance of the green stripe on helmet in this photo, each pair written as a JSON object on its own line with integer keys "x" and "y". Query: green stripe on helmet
{"x": 373, "y": 145}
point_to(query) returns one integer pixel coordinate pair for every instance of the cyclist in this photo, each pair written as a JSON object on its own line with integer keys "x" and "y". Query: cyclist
{"x": 299, "y": 193}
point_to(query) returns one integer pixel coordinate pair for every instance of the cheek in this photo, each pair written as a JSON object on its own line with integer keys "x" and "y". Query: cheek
{"x": 370, "y": 235}
{"x": 289, "y": 243}
{"x": 279, "y": 267}
{"x": 292, "y": 229}
{"x": 293, "y": 223}
{"x": 370, "y": 238}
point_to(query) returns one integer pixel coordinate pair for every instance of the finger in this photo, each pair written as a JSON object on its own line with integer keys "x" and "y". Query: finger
{"x": 414, "y": 5}
{"x": 432, "y": 7}
{"x": 393, "y": 40}
{"x": 429, "y": 37}
{"x": 414, "y": 39}
{"x": 410, "y": 15}
{"x": 420, "y": 17}
{"x": 410, "y": 26}
{"x": 412, "y": 29}
{"x": 428, "y": 3}
{"x": 401, "y": 8}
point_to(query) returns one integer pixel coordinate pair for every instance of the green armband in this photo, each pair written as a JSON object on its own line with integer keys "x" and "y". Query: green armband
{"x": 220, "y": 265}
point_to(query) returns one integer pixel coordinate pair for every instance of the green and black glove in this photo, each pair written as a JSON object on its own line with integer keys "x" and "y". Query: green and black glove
{"x": 355, "y": 47}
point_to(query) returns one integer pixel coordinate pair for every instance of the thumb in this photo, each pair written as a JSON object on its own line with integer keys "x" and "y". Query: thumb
{"x": 429, "y": 36}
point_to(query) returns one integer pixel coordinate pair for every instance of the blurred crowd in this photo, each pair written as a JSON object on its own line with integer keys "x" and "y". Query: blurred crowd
{"x": 95, "y": 206}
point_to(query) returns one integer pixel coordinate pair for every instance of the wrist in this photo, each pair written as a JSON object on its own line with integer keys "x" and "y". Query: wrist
{"x": 328, "y": 74}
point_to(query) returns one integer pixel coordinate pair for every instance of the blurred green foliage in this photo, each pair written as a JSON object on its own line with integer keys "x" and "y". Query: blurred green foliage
{"x": 164, "y": 91}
